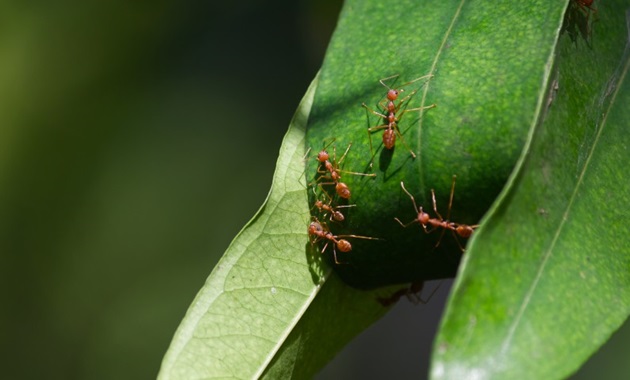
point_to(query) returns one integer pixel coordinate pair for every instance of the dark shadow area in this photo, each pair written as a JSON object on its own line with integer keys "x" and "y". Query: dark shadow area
{"x": 396, "y": 347}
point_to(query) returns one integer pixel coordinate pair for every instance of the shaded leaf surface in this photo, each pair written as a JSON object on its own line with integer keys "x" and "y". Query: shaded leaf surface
{"x": 546, "y": 279}
{"x": 488, "y": 62}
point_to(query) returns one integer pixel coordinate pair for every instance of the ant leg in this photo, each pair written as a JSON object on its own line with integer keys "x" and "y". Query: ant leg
{"x": 372, "y": 154}
{"x": 358, "y": 237}
{"x": 338, "y": 163}
{"x": 402, "y": 139}
{"x": 377, "y": 128}
{"x": 415, "y": 208}
{"x": 335, "y": 256}
{"x": 450, "y": 202}
{"x": 416, "y": 109}
{"x": 435, "y": 205}
{"x": 441, "y": 237}
{"x": 405, "y": 225}
{"x": 346, "y": 171}
{"x": 373, "y": 111}
{"x": 323, "y": 177}
{"x": 406, "y": 98}
{"x": 439, "y": 217}
{"x": 404, "y": 84}
{"x": 306, "y": 154}
{"x": 388, "y": 78}
{"x": 402, "y": 185}
{"x": 357, "y": 173}
{"x": 428, "y": 76}
{"x": 457, "y": 241}
{"x": 373, "y": 129}
{"x": 332, "y": 140}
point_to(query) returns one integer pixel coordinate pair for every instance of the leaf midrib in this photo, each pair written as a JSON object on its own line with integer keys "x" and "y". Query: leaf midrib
{"x": 425, "y": 90}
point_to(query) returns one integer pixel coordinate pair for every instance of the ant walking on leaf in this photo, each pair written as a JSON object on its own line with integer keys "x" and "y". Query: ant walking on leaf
{"x": 392, "y": 114}
{"x": 431, "y": 224}
{"x": 325, "y": 208}
{"x": 331, "y": 172}
{"x": 319, "y": 231}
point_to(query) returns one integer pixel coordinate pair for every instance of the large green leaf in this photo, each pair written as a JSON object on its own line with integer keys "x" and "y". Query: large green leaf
{"x": 546, "y": 279}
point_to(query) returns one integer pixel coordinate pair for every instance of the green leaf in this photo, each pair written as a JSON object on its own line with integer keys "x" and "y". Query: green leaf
{"x": 546, "y": 279}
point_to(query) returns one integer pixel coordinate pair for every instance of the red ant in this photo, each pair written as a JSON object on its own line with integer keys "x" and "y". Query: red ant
{"x": 317, "y": 231}
{"x": 463, "y": 230}
{"x": 341, "y": 188}
{"x": 335, "y": 214}
{"x": 391, "y": 109}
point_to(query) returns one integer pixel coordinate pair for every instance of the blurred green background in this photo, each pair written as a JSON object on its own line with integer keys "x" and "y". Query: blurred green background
{"x": 136, "y": 140}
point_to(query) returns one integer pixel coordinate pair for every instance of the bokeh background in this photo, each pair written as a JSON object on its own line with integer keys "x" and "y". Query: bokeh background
{"x": 136, "y": 140}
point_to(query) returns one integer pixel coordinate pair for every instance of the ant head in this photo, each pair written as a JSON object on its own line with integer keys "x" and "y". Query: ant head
{"x": 392, "y": 95}
{"x": 315, "y": 228}
{"x": 323, "y": 156}
{"x": 344, "y": 246}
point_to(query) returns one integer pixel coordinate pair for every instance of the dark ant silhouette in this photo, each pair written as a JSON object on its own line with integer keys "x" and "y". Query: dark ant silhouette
{"x": 413, "y": 293}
